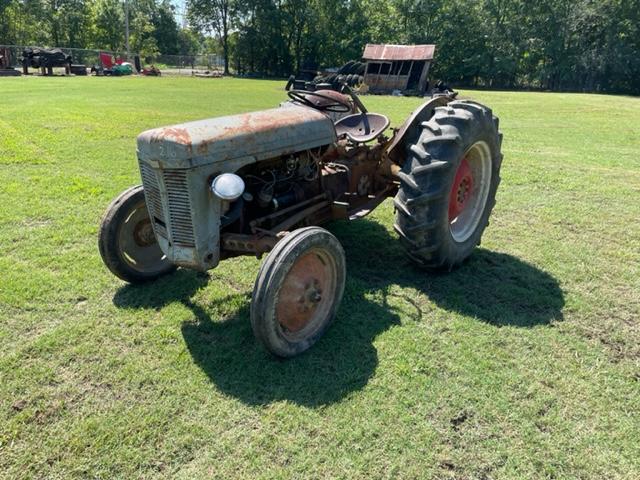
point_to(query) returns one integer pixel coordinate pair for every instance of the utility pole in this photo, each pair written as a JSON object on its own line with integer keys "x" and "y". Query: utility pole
{"x": 126, "y": 27}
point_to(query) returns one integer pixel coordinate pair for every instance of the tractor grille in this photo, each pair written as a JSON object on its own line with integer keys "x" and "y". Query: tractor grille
{"x": 152, "y": 195}
{"x": 179, "y": 205}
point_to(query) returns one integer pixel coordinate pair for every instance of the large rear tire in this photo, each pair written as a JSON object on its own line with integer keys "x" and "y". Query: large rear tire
{"x": 448, "y": 184}
{"x": 126, "y": 240}
{"x": 298, "y": 291}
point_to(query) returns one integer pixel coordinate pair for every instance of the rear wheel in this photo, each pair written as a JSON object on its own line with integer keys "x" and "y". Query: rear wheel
{"x": 298, "y": 291}
{"x": 127, "y": 242}
{"x": 448, "y": 184}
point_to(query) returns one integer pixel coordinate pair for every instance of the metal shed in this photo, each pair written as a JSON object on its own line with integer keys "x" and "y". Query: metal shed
{"x": 397, "y": 67}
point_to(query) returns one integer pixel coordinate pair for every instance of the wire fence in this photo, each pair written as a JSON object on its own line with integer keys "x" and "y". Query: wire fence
{"x": 168, "y": 64}
{"x": 187, "y": 64}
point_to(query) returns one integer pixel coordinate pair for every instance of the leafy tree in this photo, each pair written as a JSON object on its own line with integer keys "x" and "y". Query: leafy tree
{"x": 5, "y": 16}
{"x": 166, "y": 29}
{"x": 214, "y": 17}
{"x": 108, "y": 20}
{"x": 189, "y": 42}
{"x": 142, "y": 38}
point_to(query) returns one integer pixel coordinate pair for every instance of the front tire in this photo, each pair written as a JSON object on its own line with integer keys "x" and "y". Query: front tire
{"x": 298, "y": 291}
{"x": 448, "y": 185}
{"x": 127, "y": 243}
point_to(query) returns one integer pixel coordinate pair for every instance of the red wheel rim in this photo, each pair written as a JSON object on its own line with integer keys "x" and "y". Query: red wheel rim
{"x": 470, "y": 191}
{"x": 460, "y": 190}
{"x": 306, "y": 295}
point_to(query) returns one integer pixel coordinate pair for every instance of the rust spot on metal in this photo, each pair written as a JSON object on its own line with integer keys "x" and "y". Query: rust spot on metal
{"x": 250, "y": 128}
{"x": 398, "y": 52}
{"x": 203, "y": 148}
{"x": 178, "y": 134}
{"x": 251, "y": 244}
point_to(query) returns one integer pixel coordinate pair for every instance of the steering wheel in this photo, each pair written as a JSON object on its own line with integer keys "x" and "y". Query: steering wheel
{"x": 320, "y": 101}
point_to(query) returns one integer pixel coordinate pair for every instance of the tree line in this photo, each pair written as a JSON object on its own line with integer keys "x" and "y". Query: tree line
{"x": 98, "y": 24}
{"x": 580, "y": 45}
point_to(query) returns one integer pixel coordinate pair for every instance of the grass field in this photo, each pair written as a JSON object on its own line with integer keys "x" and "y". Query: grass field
{"x": 524, "y": 363}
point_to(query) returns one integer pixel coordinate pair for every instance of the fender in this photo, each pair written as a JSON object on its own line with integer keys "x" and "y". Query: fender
{"x": 396, "y": 151}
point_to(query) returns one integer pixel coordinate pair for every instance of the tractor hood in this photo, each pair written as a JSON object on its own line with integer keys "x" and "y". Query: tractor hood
{"x": 250, "y": 136}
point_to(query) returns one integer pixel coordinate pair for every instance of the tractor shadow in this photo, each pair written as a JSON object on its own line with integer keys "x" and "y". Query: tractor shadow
{"x": 340, "y": 363}
{"x": 491, "y": 287}
{"x": 223, "y": 346}
{"x": 177, "y": 286}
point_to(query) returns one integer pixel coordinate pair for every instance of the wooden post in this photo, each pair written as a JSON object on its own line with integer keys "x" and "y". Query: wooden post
{"x": 423, "y": 77}
{"x": 406, "y": 85}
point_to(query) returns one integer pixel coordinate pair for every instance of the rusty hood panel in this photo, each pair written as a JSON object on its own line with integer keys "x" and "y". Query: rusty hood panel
{"x": 260, "y": 135}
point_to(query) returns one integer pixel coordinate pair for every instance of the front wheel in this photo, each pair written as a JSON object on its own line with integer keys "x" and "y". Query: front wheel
{"x": 298, "y": 291}
{"x": 448, "y": 184}
{"x": 127, "y": 243}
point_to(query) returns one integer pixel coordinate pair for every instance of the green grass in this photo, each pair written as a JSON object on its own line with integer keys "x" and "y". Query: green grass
{"x": 524, "y": 363}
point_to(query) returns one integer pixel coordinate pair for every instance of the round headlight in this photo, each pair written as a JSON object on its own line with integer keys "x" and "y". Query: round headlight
{"x": 227, "y": 186}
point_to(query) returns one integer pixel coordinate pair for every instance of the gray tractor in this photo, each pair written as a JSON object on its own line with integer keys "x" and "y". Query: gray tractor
{"x": 262, "y": 183}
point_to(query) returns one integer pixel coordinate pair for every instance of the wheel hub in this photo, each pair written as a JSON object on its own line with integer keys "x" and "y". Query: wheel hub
{"x": 311, "y": 296}
{"x": 470, "y": 191}
{"x": 460, "y": 190}
{"x": 302, "y": 299}
{"x": 143, "y": 233}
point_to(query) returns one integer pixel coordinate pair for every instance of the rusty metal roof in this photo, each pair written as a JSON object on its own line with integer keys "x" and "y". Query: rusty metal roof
{"x": 398, "y": 52}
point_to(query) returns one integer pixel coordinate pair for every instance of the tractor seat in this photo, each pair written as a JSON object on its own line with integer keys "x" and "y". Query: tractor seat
{"x": 361, "y": 127}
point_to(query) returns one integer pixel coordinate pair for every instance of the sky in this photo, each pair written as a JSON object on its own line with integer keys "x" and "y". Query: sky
{"x": 181, "y": 9}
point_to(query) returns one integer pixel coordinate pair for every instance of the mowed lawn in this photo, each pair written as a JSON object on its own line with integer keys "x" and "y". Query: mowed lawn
{"x": 524, "y": 363}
